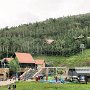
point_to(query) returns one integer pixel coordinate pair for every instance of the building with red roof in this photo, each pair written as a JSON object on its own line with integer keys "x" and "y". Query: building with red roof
{"x": 4, "y": 63}
{"x": 25, "y": 60}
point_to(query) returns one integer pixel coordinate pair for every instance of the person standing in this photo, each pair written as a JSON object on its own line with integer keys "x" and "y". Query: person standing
{"x": 14, "y": 86}
{"x": 9, "y": 87}
{"x": 56, "y": 78}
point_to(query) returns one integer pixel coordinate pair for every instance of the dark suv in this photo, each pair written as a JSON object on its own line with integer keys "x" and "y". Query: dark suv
{"x": 83, "y": 79}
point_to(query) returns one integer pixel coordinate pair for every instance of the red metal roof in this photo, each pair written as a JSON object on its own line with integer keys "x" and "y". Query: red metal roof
{"x": 24, "y": 57}
{"x": 39, "y": 62}
{"x": 8, "y": 59}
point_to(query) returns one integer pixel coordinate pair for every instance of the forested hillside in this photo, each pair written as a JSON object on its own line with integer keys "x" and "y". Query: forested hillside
{"x": 67, "y": 32}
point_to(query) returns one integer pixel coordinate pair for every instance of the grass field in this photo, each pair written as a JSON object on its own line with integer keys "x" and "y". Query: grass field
{"x": 72, "y": 61}
{"x": 48, "y": 86}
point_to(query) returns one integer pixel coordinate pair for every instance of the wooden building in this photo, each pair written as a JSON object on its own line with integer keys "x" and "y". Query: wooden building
{"x": 25, "y": 60}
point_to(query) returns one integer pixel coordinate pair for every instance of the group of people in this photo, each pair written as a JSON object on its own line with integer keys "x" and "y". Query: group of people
{"x": 12, "y": 87}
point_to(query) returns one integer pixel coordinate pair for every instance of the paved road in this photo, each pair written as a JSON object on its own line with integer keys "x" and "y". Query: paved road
{"x": 9, "y": 81}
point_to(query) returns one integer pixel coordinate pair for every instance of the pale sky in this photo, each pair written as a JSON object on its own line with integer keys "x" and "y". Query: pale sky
{"x": 16, "y": 12}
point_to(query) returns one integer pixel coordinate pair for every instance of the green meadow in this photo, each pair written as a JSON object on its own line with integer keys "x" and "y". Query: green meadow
{"x": 26, "y": 85}
{"x": 71, "y": 61}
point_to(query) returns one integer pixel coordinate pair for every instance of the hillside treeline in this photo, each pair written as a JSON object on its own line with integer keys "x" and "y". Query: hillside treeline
{"x": 68, "y": 34}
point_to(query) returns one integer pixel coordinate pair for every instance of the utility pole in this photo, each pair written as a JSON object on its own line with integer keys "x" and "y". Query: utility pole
{"x": 7, "y": 51}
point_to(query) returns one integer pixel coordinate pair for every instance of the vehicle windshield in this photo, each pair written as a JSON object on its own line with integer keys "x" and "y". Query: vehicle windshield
{"x": 82, "y": 77}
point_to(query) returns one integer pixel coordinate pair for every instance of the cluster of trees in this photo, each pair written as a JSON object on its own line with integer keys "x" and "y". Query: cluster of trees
{"x": 14, "y": 65}
{"x": 67, "y": 32}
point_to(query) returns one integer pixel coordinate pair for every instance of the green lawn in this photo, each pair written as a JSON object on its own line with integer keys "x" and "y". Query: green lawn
{"x": 48, "y": 86}
{"x": 72, "y": 61}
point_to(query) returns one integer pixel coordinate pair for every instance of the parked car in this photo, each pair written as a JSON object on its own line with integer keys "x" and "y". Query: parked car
{"x": 73, "y": 78}
{"x": 83, "y": 79}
